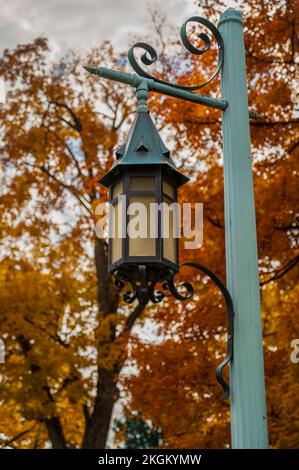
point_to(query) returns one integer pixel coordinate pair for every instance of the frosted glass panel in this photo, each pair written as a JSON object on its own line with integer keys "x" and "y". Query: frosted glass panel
{"x": 117, "y": 189}
{"x": 142, "y": 183}
{"x": 169, "y": 242}
{"x": 116, "y": 241}
{"x": 141, "y": 220}
{"x": 168, "y": 189}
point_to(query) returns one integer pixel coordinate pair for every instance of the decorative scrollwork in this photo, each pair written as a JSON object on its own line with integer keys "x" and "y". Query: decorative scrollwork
{"x": 169, "y": 284}
{"x": 156, "y": 296}
{"x": 230, "y": 324}
{"x": 146, "y": 291}
{"x": 150, "y": 55}
{"x": 120, "y": 278}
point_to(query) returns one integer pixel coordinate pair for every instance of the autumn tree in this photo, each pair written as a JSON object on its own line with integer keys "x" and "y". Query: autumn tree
{"x": 175, "y": 385}
{"x": 64, "y": 342}
{"x": 135, "y": 433}
{"x": 65, "y": 327}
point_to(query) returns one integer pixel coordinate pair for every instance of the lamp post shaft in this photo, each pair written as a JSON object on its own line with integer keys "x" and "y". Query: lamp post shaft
{"x": 248, "y": 402}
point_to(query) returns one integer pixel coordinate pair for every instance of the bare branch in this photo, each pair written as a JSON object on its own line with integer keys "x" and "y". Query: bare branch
{"x": 274, "y": 123}
{"x": 54, "y": 337}
{"x": 270, "y": 60}
{"x": 216, "y": 223}
{"x": 287, "y": 228}
{"x": 76, "y": 124}
{"x": 86, "y": 414}
{"x": 280, "y": 272}
{"x": 43, "y": 169}
{"x": 74, "y": 158}
{"x": 133, "y": 317}
{"x": 18, "y": 436}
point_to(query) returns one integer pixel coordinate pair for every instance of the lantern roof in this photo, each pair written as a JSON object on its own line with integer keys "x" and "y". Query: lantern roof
{"x": 143, "y": 146}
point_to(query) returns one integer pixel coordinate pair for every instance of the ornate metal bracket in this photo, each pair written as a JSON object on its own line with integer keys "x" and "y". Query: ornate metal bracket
{"x": 150, "y": 55}
{"x": 143, "y": 289}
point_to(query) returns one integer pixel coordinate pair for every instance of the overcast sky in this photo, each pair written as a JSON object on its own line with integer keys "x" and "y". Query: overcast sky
{"x": 81, "y": 23}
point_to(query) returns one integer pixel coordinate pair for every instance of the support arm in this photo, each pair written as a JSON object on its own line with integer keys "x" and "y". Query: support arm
{"x": 135, "y": 80}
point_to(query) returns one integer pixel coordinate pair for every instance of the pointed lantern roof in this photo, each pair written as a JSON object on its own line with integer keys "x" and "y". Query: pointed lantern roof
{"x": 143, "y": 146}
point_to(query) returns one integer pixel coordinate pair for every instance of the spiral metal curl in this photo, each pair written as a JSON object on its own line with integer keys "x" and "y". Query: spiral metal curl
{"x": 170, "y": 285}
{"x": 150, "y": 55}
{"x": 146, "y": 291}
{"x": 120, "y": 278}
{"x": 230, "y": 324}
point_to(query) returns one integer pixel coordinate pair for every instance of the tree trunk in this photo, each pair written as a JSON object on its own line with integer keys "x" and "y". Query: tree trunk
{"x": 99, "y": 423}
{"x": 107, "y": 293}
{"x": 55, "y": 433}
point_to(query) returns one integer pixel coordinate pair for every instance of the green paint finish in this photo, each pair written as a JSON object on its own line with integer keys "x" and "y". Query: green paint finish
{"x": 143, "y": 146}
{"x": 142, "y": 96}
{"x": 248, "y": 403}
{"x": 169, "y": 90}
{"x": 134, "y": 80}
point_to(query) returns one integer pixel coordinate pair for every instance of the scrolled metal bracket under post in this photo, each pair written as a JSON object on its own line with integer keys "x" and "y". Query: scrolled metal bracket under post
{"x": 143, "y": 289}
{"x": 230, "y": 316}
{"x": 230, "y": 324}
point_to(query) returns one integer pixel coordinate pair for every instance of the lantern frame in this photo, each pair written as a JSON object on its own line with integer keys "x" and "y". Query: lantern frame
{"x": 160, "y": 175}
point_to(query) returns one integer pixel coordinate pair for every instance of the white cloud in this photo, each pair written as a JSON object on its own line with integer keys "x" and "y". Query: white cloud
{"x": 2, "y": 91}
{"x": 81, "y": 23}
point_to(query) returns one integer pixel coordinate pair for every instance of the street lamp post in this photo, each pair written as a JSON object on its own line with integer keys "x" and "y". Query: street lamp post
{"x": 248, "y": 403}
{"x": 144, "y": 271}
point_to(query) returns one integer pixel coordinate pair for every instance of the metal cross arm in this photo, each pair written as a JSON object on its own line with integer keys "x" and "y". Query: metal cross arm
{"x": 163, "y": 88}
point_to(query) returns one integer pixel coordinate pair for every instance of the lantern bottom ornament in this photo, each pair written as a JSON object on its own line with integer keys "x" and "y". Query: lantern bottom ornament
{"x": 143, "y": 287}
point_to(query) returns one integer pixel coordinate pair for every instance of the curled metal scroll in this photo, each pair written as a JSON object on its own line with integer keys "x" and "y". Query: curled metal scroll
{"x": 140, "y": 287}
{"x": 169, "y": 284}
{"x": 120, "y": 278}
{"x": 150, "y": 55}
{"x": 145, "y": 290}
{"x": 156, "y": 296}
{"x": 230, "y": 324}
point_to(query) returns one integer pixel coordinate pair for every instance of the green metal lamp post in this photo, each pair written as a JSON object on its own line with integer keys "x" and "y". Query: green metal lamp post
{"x": 244, "y": 350}
{"x": 248, "y": 401}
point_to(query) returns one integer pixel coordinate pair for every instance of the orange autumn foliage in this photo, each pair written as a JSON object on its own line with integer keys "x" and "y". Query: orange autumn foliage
{"x": 62, "y": 321}
{"x": 175, "y": 385}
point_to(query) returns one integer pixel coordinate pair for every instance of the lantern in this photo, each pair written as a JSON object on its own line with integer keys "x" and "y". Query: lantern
{"x": 143, "y": 177}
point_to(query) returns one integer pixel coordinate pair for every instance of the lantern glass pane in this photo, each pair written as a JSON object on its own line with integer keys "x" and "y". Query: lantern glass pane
{"x": 116, "y": 240}
{"x": 169, "y": 219}
{"x": 117, "y": 189}
{"x": 142, "y": 183}
{"x": 168, "y": 189}
{"x": 142, "y": 227}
